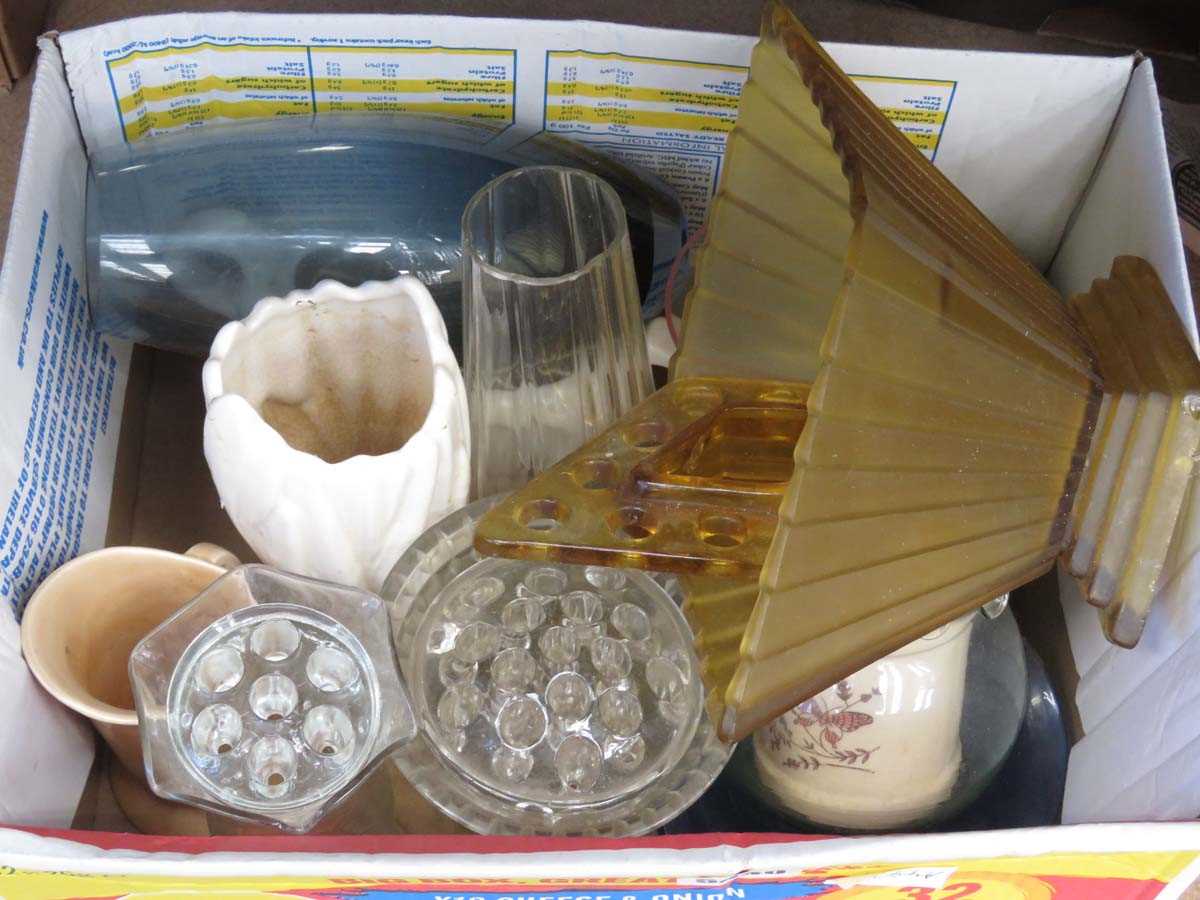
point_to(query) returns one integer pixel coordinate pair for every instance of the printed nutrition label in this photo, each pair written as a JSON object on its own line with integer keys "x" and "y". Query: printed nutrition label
{"x": 917, "y": 106}
{"x": 666, "y": 115}
{"x": 164, "y": 89}
{"x": 471, "y": 84}
{"x": 672, "y": 116}
{"x": 669, "y": 116}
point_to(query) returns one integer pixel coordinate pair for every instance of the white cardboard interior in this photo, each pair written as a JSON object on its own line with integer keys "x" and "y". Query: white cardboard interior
{"x": 1031, "y": 139}
{"x": 43, "y": 763}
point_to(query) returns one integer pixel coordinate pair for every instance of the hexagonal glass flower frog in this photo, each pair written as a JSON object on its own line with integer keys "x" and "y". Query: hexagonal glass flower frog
{"x": 269, "y": 697}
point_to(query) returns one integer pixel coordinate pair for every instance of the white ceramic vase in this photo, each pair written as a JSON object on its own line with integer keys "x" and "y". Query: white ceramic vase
{"x": 880, "y": 749}
{"x": 336, "y": 427}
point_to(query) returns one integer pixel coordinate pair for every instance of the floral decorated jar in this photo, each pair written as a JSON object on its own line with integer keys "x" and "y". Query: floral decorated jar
{"x": 880, "y": 749}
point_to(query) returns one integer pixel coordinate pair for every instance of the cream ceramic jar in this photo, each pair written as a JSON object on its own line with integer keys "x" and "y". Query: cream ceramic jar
{"x": 336, "y": 427}
{"x": 880, "y": 749}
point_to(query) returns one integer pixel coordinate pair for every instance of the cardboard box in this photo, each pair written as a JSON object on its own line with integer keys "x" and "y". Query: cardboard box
{"x": 20, "y": 22}
{"x": 100, "y": 444}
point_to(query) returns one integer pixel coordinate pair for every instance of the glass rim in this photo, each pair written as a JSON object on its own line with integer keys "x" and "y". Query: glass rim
{"x": 606, "y": 191}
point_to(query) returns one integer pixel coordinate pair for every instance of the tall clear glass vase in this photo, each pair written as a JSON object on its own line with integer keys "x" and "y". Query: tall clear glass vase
{"x": 555, "y": 349}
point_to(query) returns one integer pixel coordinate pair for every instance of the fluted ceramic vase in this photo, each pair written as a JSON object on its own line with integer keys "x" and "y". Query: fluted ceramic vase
{"x": 336, "y": 427}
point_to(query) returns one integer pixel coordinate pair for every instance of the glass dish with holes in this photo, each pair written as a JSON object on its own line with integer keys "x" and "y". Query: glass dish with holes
{"x": 269, "y": 697}
{"x": 552, "y": 699}
{"x": 691, "y": 483}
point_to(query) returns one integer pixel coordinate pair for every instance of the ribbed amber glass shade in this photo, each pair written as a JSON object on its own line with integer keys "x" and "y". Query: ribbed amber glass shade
{"x": 1143, "y": 455}
{"x": 944, "y": 395}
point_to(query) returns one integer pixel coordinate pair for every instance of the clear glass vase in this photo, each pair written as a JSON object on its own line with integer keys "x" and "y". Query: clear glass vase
{"x": 554, "y": 345}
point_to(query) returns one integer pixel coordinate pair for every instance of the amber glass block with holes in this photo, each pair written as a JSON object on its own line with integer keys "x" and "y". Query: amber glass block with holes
{"x": 690, "y": 481}
{"x": 745, "y": 450}
{"x": 949, "y": 402}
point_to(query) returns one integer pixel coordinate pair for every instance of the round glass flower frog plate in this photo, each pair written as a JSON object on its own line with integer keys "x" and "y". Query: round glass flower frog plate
{"x": 557, "y": 685}
{"x": 552, "y": 699}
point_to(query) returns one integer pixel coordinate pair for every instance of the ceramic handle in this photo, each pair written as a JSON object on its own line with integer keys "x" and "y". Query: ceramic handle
{"x": 211, "y": 553}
